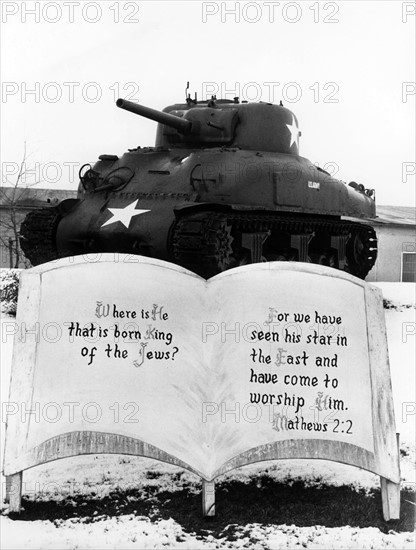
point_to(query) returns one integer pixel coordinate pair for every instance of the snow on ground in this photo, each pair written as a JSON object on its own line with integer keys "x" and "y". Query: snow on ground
{"x": 134, "y": 532}
{"x": 113, "y": 481}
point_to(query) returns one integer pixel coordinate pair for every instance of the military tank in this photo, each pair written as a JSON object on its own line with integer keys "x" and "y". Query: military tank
{"x": 223, "y": 186}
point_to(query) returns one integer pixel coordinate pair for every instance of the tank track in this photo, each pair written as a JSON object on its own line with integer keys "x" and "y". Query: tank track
{"x": 37, "y": 235}
{"x": 205, "y": 242}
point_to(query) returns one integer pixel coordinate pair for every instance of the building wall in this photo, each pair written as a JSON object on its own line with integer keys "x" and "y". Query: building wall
{"x": 393, "y": 240}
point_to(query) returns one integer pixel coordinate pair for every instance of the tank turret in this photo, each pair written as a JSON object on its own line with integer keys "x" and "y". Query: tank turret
{"x": 223, "y": 186}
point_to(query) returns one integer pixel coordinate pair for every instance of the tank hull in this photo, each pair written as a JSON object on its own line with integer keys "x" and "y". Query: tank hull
{"x": 278, "y": 193}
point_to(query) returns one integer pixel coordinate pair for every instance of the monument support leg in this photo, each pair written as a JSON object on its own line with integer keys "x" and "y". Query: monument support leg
{"x": 390, "y": 493}
{"x": 390, "y": 497}
{"x": 208, "y": 498}
{"x": 14, "y": 491}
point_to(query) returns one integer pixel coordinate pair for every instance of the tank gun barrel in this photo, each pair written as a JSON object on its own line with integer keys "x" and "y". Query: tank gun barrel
{"x": 181, "y": 125}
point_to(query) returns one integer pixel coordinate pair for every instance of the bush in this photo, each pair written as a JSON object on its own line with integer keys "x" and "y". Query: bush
{"x": 9, "y": 288}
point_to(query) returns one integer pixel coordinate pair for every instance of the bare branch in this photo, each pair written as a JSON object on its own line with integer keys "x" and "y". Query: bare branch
{"x": 11, "y": 196}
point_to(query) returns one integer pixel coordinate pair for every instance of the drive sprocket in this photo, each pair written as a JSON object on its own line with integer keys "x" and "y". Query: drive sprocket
{"x": 37, "y": 235}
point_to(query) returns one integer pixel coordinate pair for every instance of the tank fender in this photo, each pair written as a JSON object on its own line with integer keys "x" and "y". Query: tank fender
{"x": 66, "y": 206}
{"x": 193, "y": 207}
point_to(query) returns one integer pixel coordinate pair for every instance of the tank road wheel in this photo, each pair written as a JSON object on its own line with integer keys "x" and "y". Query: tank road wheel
{"x": 361, "y": 251}
{"x": 37, "y": 235}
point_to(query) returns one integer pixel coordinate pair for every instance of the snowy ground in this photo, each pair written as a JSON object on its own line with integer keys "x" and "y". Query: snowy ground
{"x": 128, "y": 502}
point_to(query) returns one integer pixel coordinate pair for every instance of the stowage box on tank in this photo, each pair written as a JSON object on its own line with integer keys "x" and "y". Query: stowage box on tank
{"x": 223, "y": 186}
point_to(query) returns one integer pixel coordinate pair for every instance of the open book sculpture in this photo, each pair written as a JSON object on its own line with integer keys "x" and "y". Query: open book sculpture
{"x": 137, "y": 356}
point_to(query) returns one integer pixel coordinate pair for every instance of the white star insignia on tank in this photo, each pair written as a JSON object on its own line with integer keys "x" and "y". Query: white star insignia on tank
{"x": 124, "y": 215}
{"x": 294, "y": 132}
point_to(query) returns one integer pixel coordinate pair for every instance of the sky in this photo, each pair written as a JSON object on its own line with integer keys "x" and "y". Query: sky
{"x": 345, "y": 68}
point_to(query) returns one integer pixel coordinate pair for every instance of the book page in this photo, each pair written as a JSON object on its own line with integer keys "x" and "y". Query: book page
{"x": 290, "y": 359}
{"x": 201, "y": 370}
{"x": 120, "y": 352}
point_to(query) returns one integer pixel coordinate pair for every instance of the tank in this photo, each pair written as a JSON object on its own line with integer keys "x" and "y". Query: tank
{"x": 223, "y": 186}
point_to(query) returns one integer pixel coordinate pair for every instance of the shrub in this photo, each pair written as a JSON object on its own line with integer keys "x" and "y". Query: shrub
{"x": 9, "y": 288}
